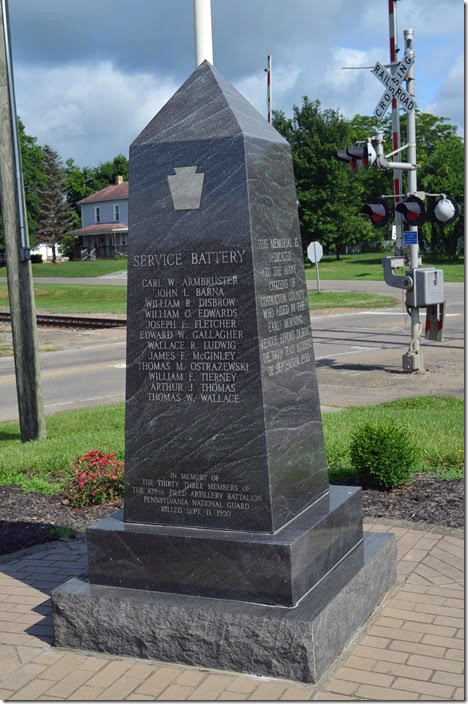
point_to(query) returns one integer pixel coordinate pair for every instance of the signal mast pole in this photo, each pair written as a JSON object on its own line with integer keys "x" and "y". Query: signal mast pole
{"x": 413, "y": 359}
{"x": 393, "y": 32}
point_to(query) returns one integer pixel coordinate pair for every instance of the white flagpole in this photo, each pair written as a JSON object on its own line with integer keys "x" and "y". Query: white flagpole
{"x": 203, "y": 35}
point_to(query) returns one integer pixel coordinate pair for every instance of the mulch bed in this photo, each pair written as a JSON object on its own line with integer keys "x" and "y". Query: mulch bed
{"x": 28, "y": 519}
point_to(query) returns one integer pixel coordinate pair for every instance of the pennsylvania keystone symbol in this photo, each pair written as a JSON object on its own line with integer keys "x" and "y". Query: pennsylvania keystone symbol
{"x": 186, "y": 187}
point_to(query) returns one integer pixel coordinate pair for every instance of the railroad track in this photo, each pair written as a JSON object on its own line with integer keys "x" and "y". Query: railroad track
{"x": 72, "y": 321}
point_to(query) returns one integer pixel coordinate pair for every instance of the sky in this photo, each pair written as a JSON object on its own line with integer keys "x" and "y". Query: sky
{"x": 90, "y": 75}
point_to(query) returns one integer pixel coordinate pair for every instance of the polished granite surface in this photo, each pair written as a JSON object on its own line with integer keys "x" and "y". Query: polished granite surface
{"x": 223, "y": 425}
{"x": 296, "y": 643}
{"x": 261, "y": 567}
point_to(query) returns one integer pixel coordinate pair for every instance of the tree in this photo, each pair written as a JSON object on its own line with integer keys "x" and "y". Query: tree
{"x": 79, "y": 184}
{"x": 440, "y": 155}
{"x": 33, "y": 179}
{"x": 330, "y": 196}
{"x": 440, "y": 159}
{"x": 54, "y": 219}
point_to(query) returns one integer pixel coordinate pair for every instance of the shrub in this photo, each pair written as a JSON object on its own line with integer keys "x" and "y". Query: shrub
{"x": 383, "y": 454}
{"x": 36, "y": 258}
{"x": 67, "y": 244}
{"x": 97, "y": 479}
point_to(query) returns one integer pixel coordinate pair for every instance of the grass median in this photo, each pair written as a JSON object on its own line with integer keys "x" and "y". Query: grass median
{"x": 87, "y": 268}
{"x": 368, "y": 267}
{"x": 357, "y": 267}
{"x": 346, "y": 299}
{"x": 435, "y": 422}
{"x": 68, "y": 299}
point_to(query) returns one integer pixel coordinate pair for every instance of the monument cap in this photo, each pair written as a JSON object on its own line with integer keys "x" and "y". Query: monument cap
{"x": 207, "y": 106}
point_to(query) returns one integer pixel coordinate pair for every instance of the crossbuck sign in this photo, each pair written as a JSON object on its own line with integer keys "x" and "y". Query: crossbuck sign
{"x": 393, "y": 87}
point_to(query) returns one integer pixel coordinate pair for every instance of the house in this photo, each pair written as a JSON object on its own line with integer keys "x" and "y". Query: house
{"x": 104, "y": 218}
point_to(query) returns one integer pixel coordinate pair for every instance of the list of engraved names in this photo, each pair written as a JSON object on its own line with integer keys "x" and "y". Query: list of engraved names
{"x": 191, "y": 327}
{"x": 194, "y": 340}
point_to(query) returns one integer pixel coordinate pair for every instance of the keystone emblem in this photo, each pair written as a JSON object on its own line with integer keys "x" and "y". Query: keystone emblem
{"x": 186, "y": 187}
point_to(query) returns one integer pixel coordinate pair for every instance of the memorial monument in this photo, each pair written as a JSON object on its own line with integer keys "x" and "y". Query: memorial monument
{"x": 232, "y": 551}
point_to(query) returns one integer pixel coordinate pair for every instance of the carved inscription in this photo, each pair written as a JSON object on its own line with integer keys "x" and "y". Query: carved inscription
{"x": 287, "y": 341}
{"x": 197, "y": 494}
{"x": 191, "y": 327}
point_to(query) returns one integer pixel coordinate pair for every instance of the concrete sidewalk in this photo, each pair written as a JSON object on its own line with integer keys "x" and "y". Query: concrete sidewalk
{"x": 411, "y": 648}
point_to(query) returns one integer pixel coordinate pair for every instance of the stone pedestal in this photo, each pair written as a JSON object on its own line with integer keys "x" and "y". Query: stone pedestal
{"x": 278, "y": 568}
{"x": 297, "y": 643}
{"x": 232, "y": 551}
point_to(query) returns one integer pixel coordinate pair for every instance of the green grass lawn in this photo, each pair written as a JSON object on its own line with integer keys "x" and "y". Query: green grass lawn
{"x": 368, "y": 267}
{"x": 334, "y": 299}
{"x": 64, "y": 298}
{"x": 45, "y": 465}
{"x": 94, "y": 267}
{"x": 437, "y": 424}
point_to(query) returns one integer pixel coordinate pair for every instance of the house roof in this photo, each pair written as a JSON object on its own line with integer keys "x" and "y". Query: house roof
{"x": 101, "y": 228}
{"x": 117, "y": 191}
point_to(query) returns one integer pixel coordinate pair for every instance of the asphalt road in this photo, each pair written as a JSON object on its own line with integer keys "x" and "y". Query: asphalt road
{"x": 358, "y": 357}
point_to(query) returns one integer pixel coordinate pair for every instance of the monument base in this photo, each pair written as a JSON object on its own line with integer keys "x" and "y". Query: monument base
{"x": 297, "y": 643}
{"x": 277, "y": 568}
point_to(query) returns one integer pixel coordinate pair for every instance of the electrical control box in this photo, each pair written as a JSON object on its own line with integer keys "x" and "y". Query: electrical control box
{"x": 428, "y": 287}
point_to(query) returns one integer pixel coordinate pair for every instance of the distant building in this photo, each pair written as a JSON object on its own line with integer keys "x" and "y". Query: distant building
{"x": 104, "y": 218}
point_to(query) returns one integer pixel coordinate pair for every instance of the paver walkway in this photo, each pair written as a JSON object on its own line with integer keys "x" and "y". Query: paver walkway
{"x": 411, "y": 648}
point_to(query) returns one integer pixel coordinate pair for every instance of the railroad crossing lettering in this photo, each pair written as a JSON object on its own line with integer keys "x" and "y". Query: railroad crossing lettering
{"x": 382, "y": 105}
{"x": 392, "y": 83}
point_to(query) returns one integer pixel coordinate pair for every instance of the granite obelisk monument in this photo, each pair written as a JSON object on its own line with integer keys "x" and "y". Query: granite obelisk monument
{"x": 232, "y": 551}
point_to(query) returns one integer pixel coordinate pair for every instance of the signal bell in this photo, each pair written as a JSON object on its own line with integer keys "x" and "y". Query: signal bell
{"x": 414, "y": 212}
{"x": 446, "y": 211}
{"x": 378, "y": 212}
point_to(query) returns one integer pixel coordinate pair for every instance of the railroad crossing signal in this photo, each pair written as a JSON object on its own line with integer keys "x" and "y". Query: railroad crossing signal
{"x": 392, "y": 83}
{"x": 378, "y": 212}
{"x": 358, "y": 156}
{"x": 342, "y": 155}
{"x": 413, "y": 210}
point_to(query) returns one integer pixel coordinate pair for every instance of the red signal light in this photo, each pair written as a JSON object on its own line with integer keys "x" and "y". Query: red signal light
{"x": 378, "y": 212}
{"x": 413, "y": 210}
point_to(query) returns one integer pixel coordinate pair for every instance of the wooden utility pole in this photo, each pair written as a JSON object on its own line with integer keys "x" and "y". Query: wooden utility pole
{"x": 19, "y": 272}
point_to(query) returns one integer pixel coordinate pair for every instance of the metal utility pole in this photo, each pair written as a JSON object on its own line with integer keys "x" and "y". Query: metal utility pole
{"x": 268, "y": 72}
{"x": 19, "y": 273}
{"x": 203, "y": 34}
{"x": 393, "y": 36}
{"x": 413, "y": 359}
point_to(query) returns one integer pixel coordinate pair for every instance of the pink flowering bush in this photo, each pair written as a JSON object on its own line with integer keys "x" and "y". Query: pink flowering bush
{"x": 97, "y": 479}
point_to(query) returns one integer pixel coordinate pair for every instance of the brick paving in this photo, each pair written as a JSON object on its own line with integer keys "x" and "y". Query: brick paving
{"x": 412, "y": 648}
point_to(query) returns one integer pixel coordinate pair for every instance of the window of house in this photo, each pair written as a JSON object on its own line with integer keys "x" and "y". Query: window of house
{"x": 97, "y": 214}
{"x": 116, "y": 213}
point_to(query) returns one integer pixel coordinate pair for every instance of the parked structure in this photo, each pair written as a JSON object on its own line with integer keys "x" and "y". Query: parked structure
{"x": 104, "y": 218}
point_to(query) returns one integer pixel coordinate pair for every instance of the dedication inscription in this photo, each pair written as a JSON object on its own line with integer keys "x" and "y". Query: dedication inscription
{"x": 223, "y": 424}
